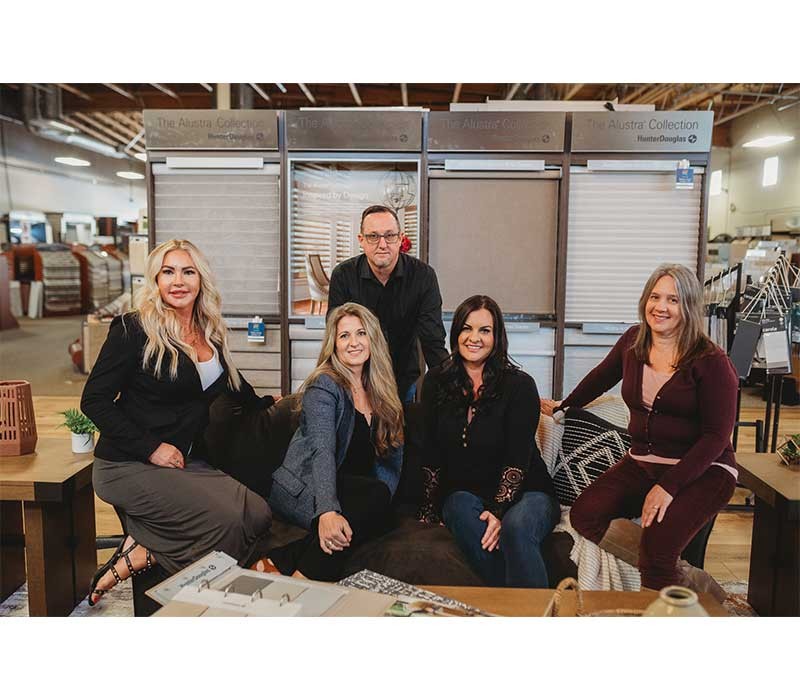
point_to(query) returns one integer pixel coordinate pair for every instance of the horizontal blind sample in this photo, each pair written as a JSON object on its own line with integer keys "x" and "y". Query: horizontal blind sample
{"x": 495, "y": 236}
{"x": 326, "y": 201}
{"x": 234, "y": 219}
{"x": 259, "y": 363}
{"x": 305, "y": 344}
{"x": 621, "y": 227}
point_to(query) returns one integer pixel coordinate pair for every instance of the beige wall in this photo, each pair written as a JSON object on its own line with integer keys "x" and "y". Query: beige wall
{"x": 741, "y": 168}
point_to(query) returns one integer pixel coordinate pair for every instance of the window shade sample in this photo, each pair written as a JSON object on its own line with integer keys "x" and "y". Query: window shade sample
{"x": 621, "y": 227}
{"x": 495, "y": 236}
{"x": 234, "y": 219}
{"x": 327, "y": 199}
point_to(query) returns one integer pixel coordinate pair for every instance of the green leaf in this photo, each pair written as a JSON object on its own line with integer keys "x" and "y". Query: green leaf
{"x": 77, "y": 423}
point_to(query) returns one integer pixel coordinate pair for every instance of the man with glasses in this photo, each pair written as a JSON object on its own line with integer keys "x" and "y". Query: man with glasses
{"x": 400, "y": 290}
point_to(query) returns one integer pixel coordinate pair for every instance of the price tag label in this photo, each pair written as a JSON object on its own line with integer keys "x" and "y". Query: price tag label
{"x": 684, "y": 176}
{"x": 256, "y": 330}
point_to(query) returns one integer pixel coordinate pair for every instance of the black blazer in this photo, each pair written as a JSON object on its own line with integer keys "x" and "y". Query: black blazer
{"x": 135, "y": 411}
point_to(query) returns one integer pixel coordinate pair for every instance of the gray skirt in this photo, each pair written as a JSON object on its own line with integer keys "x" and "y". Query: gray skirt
{"x": 181, "y": 515}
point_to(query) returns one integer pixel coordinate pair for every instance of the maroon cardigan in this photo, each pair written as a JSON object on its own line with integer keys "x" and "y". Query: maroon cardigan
{"x": 693, "y": 413}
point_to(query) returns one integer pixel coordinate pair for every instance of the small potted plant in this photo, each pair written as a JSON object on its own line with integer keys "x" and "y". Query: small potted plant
{"x": 82, "y": 428}
{"x": 789, "y": 451}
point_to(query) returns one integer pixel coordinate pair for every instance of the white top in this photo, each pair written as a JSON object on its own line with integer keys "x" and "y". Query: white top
{"x": 209, "y": 370}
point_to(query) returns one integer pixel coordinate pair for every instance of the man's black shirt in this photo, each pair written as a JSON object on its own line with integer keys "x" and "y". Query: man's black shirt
{"x": 408, "y": 307}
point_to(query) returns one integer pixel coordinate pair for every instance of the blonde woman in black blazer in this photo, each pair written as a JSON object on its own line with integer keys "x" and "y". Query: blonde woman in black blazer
{"x": 149, "y": 393}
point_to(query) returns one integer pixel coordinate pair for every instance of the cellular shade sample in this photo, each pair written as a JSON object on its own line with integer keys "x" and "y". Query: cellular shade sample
{"x": 497, "y": 237}
{"x": 233, "y": 217}
{"x": 621, "y": 227}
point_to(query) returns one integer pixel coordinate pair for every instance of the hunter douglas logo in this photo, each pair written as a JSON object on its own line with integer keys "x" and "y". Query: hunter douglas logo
{"x": 655, "y": 124}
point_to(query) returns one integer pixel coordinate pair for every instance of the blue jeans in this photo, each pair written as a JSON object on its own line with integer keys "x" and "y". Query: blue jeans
{"x": 517, "y": 563}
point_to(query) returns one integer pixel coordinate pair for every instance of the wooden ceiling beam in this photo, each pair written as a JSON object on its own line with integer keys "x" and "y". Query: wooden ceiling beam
{"x": 120, "y": 91}
{"x": 456, "y": 93}
{"x": 126, "y": 132}
{"x": 753, "y": 107}
{"x": 91, "y": 132}
{"x": 404, "y": 93}
{"x": 573, "y": 90}
{"x": 119, "y": 139}
{"x": 74, "y": 91}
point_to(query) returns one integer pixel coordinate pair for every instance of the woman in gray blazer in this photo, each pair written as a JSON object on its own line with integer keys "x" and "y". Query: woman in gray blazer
{"x": 343, "y": 463}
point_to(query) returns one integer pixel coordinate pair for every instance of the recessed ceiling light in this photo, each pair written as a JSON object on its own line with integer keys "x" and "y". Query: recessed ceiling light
{"x": 77, "y": 162}
{"x": 130, "y": 175}
{"x": 767, "y": 141}
{"x": 140, "y": 156}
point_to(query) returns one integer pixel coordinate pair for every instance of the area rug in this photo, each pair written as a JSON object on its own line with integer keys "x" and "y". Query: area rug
{"x": 736, "y": 603}
{"x": 118, "y": 602}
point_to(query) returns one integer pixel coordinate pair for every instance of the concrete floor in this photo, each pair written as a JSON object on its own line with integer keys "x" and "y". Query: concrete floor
{"x": 38, "y": 352}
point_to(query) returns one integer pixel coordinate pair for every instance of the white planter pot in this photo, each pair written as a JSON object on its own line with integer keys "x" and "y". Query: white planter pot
{"x": 676, "y": 601}
{"x": 82, "y": 443}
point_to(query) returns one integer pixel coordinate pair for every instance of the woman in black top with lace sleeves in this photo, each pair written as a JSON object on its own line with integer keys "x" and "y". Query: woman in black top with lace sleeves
{"x": 480, "y": 461}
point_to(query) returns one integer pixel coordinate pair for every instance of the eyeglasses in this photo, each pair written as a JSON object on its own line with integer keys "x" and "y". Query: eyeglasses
{"x": 373, "y": 238}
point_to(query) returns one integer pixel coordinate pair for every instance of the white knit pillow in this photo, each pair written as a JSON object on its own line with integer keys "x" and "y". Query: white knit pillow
{"x": 609, "y": 407}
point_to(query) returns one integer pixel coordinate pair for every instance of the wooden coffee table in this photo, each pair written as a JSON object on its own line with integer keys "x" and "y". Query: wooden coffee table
{"x": 532, "y": 602}
{"x": 52, "y": 488}
{"x": 774, "y": 585}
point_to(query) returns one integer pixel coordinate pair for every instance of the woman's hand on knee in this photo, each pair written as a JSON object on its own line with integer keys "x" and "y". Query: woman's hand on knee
{"x": 655, "y": 505}
{"x": 335, "y": 532}
{"x": 491, "y": 537}
{"x": 166, "y": 455}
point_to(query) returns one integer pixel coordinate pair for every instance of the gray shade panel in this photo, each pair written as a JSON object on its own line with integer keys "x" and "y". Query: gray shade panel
{"x": 257, "y": 360}
{"x": 495, "y": 237}
{"x": 235, "y": 220}
{"x": 262, "y": 377}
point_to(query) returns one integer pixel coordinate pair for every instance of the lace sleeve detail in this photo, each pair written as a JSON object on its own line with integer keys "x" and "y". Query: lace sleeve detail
{"x": 428, "y": 511}
{"x": 510, "y": 483}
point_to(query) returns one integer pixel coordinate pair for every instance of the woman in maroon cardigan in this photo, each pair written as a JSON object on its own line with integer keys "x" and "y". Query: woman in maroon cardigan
{"x": 680, "y": 389}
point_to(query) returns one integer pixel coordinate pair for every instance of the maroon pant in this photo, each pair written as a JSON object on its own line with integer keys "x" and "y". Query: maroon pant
{"x": 620, "y": 493}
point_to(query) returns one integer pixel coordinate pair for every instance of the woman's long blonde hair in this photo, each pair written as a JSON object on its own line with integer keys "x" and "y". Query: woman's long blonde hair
{"x": 161, "y": 324}
{"x": 693, "y": 342}
{"x": 377, "y": 376}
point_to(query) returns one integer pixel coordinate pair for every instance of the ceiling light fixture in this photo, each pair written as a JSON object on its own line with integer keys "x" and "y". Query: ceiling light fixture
{"x": 76, "y": 162}
{"x": 130, "y": 175}
{"x": 141, "y": 156}
{"x": 768, "y": 141}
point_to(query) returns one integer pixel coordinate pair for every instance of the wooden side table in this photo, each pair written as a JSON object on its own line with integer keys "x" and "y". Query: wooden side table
{"x": 52, "y": 488}
{"x": 774, "y": 586}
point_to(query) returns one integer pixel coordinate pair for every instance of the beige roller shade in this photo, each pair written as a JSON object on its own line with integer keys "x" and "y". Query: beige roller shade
{"x": 495, "y": 236}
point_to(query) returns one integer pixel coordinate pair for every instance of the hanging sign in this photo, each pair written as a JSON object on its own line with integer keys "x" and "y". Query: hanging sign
{"x": 353, "y": 130}
{"x": 636, "y": 132}
{"x": 496, "y": 131}
{"x": 218, "y": 129}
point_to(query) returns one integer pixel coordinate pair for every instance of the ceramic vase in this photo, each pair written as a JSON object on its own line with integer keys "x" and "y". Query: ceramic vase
{"x": 676, "y": 601}
{"x": 82, "y": 442}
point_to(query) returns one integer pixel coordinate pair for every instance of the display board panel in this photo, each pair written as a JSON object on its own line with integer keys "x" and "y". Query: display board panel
{"x": 326, "y": 202}
{"x": 621, "y": 227}
{"x": 495, "y": 236}
{"x": 233, "y": 217}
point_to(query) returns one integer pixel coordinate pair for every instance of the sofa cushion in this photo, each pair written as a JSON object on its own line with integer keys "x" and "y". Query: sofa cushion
{"x": 589, "y": 446}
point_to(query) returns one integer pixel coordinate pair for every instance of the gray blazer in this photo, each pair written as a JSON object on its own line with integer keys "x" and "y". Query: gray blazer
{"x": 304, "y": 485}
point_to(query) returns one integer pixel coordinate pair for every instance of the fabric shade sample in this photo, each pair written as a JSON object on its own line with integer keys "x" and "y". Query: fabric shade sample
{"x": 589, "y": 446}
